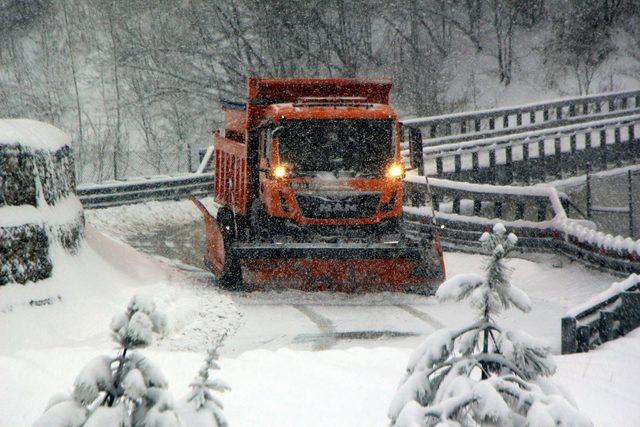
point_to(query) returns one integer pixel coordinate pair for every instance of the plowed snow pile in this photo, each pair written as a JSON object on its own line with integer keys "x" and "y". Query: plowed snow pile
{"x": 75, "y": 305}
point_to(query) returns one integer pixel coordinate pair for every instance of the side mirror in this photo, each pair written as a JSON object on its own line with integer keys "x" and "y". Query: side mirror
{"x": 416, "y": 159}
{"x": 276, "y": 131}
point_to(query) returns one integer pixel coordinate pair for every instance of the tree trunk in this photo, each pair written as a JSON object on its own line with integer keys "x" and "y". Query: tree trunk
{"x": 74, "y": 76}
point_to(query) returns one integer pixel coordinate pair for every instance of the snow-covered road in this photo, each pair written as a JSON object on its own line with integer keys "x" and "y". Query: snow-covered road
{"x": 321, "y": 321}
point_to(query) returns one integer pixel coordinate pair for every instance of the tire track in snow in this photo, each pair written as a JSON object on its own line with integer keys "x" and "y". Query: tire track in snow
{"x": 327, "y": 337}
{"x": 421, "y": 315}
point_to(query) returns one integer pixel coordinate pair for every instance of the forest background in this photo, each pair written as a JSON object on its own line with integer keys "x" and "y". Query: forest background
{"x": 137, "y": 83}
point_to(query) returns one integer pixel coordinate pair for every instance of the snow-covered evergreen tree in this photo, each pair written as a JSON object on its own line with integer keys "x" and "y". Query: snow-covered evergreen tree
{"x": 483, "y": 374}
{"x": 201, "y": 407}
{"x": 127, "y": 390}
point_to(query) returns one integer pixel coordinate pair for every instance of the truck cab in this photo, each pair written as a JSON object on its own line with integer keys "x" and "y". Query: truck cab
{"x": 327, "y": 164}
{"x": 316, "y": 164}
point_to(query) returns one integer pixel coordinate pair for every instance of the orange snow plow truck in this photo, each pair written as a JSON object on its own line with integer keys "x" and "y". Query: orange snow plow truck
{"x": 308, "y": 192}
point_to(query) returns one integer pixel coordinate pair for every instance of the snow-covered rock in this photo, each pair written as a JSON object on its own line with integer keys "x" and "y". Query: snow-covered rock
{"x": 38, "y": 205}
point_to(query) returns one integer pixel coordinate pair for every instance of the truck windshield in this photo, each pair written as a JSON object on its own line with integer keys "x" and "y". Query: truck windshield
{"x": 342, "y": 148}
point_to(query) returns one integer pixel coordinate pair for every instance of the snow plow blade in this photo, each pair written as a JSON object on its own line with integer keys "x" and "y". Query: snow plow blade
{"x": 414, "y": 266}
{"x": 338, "y": 267}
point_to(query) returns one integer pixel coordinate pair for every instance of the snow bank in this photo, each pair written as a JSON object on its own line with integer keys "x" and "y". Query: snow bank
{"x": 120, "y": 219}
{"x": 76, "y": 303}
{"x": 32, "y": 134}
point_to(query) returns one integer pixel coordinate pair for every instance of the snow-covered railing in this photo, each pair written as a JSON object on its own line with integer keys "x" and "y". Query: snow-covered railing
{"x": 145, "y": 189}
{"x": 525, "y": 117}
{"x": 538, "y": 156}
{"x": 606, "y": 316}
{"x": 463, "y": 211}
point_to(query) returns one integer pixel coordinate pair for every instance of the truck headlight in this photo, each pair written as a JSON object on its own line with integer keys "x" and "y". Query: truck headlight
{"x": 395, "y": 171}
{"x": 279, "y": 171}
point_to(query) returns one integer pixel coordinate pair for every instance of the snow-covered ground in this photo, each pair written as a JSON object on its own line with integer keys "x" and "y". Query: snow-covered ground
{"x": 297, "y": 359}
{"x": 351, "y": 387}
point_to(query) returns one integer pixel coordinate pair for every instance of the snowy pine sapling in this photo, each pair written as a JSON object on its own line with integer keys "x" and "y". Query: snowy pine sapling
{"x": 127, "y": 390}
{"x": 483, "y": 374}
{"x": 201, "y": 407}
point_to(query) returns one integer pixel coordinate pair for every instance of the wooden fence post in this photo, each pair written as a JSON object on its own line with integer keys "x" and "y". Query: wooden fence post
{"x": 588, "y": 185}
{"x": 526, "y": 168}
{"x": 573, "y": 161}
{"x": 617, "y": 148}
{"x": 497, "y": 209}
{"x": 558, "y": 157}
{"x": 492, "y": 166}
{"x": 568, "y": 335}
{"x": 603, "y": 149}
{"x": 477, "y": 207}
{"x": 630, "y": 197}
{"x": 542, "y": 160}
{"x": 508, "y": 164}
{"x": 635, "y": 145}
{"x": 588, "y": 148}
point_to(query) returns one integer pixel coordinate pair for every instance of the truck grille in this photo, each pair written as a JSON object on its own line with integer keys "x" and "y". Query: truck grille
{"x": 338, "y": 205}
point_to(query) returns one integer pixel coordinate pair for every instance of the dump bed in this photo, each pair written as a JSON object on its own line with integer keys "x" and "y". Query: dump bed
{"x": 264, "y": 92}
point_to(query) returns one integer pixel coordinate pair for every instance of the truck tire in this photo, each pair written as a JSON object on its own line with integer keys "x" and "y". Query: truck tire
{"x": 231, "y": 276}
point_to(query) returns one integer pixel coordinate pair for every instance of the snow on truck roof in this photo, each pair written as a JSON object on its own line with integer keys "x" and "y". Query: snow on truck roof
{"x": 32, "y": 134}
{"x": 330, "y": 111}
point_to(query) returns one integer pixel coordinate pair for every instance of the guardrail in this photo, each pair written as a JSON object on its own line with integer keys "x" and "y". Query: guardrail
{"x": 117, "y": 193}
{"x": 538, "y": 156}
{"x": 524, "y": 117}
{"x": 536, "y": 214}
{"x": 605, "y": 317}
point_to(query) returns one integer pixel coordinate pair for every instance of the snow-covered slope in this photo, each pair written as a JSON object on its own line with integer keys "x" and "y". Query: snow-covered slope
{"x": 75, "y": 305}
